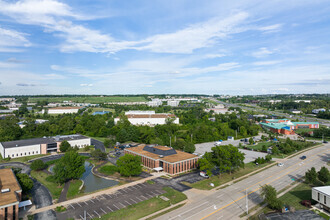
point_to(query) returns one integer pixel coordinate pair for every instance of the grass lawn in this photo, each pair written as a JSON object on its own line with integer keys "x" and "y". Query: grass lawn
{"x": 43, "y": 178}
{"x": 23, "y": 159}
{"x": 108, "y": 169}
{"x": 301, "y": 192}
{"x": 147, "y": 207}
{"x": 73, "y": 190}
{"x": 258, "y": 146}
{"x": 90, "y": 99}
{"x": 225, "y": 177}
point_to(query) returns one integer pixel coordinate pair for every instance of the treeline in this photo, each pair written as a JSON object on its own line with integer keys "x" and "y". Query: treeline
{"x": 304, "y": 107}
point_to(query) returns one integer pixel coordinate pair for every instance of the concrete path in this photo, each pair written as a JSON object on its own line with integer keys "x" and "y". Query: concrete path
{"x": 64, "y": 192}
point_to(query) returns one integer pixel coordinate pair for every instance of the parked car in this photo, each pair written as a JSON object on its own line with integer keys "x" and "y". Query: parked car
{"x": 280, "y": 164}
{"x": 325, "y": 142}
{"x": 203, "y": 174}
{"x": 303, "y": 157}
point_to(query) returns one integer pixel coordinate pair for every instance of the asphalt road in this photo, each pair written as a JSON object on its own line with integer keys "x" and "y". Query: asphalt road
{"x": 230, "y": 202}
{"x": 98, "y": 144}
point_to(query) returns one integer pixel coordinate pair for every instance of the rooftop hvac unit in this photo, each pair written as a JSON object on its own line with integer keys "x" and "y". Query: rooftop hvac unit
{"x": 161, "y": 156}
{"x": 5, "y": 190}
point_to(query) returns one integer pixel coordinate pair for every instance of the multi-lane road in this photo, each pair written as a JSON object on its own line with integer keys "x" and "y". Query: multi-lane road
{"x": 230, "y": 202}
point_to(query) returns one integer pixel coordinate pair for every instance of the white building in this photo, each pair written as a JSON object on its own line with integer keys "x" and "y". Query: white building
{"x": 306, "y": 101}
{"x": 274, "y": 101}
{"x": 316, "y": 111}
{"x": 28, "y": 147}
{"x": 150, "y": 118}
{"x": 295, "y": 111}
{"x": 219, "y": 109}
{"x": 321, "y": 195}
{"x": 173, "y": 103}
{"x": 155, "y": 103}
{"x": 62, "y": 110}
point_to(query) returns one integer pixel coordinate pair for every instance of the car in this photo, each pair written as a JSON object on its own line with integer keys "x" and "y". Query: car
{"x": 280, "y": 164}
{"x": 303, "y": 157}
{"x": 325, "y": 142}
{"x": 242, "y": 139}
{"x": 118, "y": 153}
{"x": 203, "y": 174}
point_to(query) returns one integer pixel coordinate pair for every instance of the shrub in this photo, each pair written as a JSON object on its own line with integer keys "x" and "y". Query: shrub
{"x": 38, "y": 165}
{"x": 109, "y": 169}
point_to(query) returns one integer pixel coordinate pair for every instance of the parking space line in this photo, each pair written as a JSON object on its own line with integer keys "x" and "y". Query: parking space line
{"x": 139, "y": 199}
{"x": 109, "y": 208}
{"x": 144, "y": 197}
{"x": 133, "y": 187}
{"x": 116, "y": 206}
{"x": 97, "y": 199}
{"x": 92, "y": 201}
{"x": 149, "y": 195}
{"x": 72, "y": 206}
{"x": 159, "y": 191}
{"x": 97, "y": 214}
{"x": 85, "y": 202}
{"x": 103, "y": 197}
{"x": 103, "y": 211}
{"x": 89, "y": 215}
{"x": 133, "y": 200}
{"x": 124, "y": 190}
{"x": 138, "y": 185}
{"x": 81, "y": 217}
{"x": 128, "y": 202}
{"x": 153, "y": 193}
{"x": 122, "y": 204}
{"x": 79, "y": 204}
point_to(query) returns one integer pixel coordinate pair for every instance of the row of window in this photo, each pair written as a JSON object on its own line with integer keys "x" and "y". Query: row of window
{"x": 24, "y": 154}
{"x": 318, "y": 198}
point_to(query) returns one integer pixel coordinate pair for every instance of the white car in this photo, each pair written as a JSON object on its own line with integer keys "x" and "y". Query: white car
{"x": 280, "y": 164}
{"x": 218, "y": 143}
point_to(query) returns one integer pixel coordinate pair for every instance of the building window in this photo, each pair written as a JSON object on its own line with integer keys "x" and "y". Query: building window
{"x": 318, "y": 196}
{"x": 16, "y": 155}
{"x": 36, "y": 152}
{"x": 29, "y": 153}
{"x": 6, "y": 213}
{"x": 325, "y": 200}
{"x": 32, "y": 152}
{"x": 21, "y": 154}
{"x": 25, "y": 153}
{"x": 12, "y": 155}
{"x": 14, "y": 212}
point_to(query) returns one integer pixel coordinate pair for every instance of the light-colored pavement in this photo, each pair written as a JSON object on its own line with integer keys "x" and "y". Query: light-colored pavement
{"x": 249, "y": 155}
{"x": 230, "y": 202}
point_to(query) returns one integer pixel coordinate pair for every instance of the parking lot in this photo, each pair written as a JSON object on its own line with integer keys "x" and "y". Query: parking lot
{"x": 103, "y": 204}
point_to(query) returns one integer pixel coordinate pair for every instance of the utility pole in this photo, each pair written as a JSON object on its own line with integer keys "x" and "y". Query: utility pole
{"x": 191, "y": 137}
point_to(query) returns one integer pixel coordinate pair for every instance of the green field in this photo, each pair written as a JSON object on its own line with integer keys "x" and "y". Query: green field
{"x": 90, "y": 99}
{"x": 73, "y": 190}
{"x": 258, "y": 146}
{"x": 54, "y": 189}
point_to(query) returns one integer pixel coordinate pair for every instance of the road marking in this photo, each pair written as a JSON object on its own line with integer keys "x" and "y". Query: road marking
{"x": 85, "y": 202}
{"x": 72, "y": 206}
{"x": 116, "y": 206}
{"x": 109, "y": 208}
{"x": 190, "y": 210}
{"x": 97, "y": 199}
{"x": 139, "y": 199}
{"x": 144, "y": 197}
{"x": 97, "y": 214}
{"x": 118, "y": 192}
{"x": 133, "y": 200}
{"x": 103, "y": 211}
{"x": 103, "y": 197}
{"x": 149, "y": 195}
{"x": 89, "y": 215}
{"x": 159, "y": 191}
{"x": 219, "y": 196}
{"x": 81, "y": 217}
{"x": 122, "y": 204}
{"x": 234, "y": 201}
{"x": 79, "y": 204}
{"x": 128, "y": 202}
{"x": 124, "y": 190}
{"x": 92, "y": 201}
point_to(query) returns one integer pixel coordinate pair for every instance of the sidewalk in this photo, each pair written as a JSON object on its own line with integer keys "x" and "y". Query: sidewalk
{"x": 93, "y": 195}
{"x": 164, "y": 210}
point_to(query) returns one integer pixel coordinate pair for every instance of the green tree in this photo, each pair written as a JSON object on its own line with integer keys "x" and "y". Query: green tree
{"x": 107, "y": 143}
{"x": 98, "y": 155}
{"x": 275, "y": 150}
{"x": 324, "y": 175}
{"x": 270, "y": 195}
{"x": 251, "y": 141}
{"x": 25, "y": 182}
{"x": 129, "y": 165}
{"x": 70, "y": 166}
{"x": 311, "y": 175}
{"x": 189, "y": 147}
{"x": 64, "y": 146}
{"x": 38, "y": 165}
{"x": 205, "y": 164}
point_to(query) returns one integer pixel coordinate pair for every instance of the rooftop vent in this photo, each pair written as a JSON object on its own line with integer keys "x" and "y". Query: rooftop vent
{"x": 161, "y": 156}
{"x": 16, "y": 145}
{"x": 5, "y": 190}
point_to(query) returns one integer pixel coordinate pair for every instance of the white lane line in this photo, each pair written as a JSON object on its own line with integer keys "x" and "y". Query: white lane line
{"x": 219, "y": 196}
{"x": 118, "y": 192}
{"x": 124, "y": 190}
{"x": 250, "y": 181}
{"x": 85, "y": 203}
{"x": 201, "y": 211}
{"x": 133, "y": 200}
{"x": 109, "y": 208}
{"x": 138, "y": 185}
{"x": 139, "y": 199}
{"x": 103, "y": 211}
{"x": 72, "y": 206}
{"x": 79, "y": 204}
{"x": 128, "y": 202}
{"x": 116, "y": 206}
{"x": 103, "y": 197}
{"x": 97, "y": 214}
{"x": 149, "y": 195}
{"x": 190, "y": 210}
{"x": 159, "y": 191}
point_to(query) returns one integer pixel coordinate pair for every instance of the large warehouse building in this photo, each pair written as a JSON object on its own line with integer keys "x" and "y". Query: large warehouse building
{"x": 62, "y": 110}
{"x": 10, "y": 195}
{"x": 164, "y": 158}
{"x": 149, "y": 118}
{"x": 28, "y": 147}
{"x": 285, "y": 126}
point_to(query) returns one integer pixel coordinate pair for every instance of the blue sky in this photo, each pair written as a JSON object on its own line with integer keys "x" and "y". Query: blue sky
{"x": 173, "y": 46}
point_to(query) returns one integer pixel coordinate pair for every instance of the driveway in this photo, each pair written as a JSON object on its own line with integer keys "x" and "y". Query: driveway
{"x": 40, "y": 194}
{"x": 98, "y": 144}
{"x": 55, "y": 157}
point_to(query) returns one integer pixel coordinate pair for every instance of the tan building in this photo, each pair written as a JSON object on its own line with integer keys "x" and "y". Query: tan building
{"x": 164, "y": 158}
{"x": 10, "y": 195}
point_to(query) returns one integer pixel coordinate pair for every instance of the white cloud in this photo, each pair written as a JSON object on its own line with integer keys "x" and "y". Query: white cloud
{"x": 262, "y": 52}
{"x": 86, "y": 85}
{"x": 211, "y": 56}
{"x": 9, "y": 39}
{"x": 265, "y": 63}
{"x": 271, "y": 28}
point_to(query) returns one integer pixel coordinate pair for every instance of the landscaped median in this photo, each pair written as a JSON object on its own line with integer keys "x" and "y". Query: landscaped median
{"x": 226, "y": 177}
{"x": 147, "y": 207}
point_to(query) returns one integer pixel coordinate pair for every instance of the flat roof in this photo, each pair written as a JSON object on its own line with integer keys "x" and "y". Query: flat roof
{"x": 323, "y": 189}
{"x": 8, "y": 181}
{"x": 45, "y": 140}
{"x": 179, "y": 156}
{"x": 274, "y": 125}
{"x": 304, "y": 123}
{"x": 69, "y": 107}
{"x": 150, "y": 115}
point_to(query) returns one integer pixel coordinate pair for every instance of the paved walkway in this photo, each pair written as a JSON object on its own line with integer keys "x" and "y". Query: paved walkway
{"x": 93, "y": 195}
{"x": 64, "y": 192}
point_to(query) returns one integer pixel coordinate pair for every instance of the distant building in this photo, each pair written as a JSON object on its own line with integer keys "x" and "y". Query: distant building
{"x": 7, "y": 99}
{"x": 285, "y": 126}
{"x": 274, "y": 101}
{"x": 295, "y": 111}
{"x": 316, "y": 111}
{"x": 219, "y": 109}
{"x": 305, "y": 101}
{"x": 162, "y": 158}
{"x": 149, "y": 118}
{"x": 155, "y": 103}
{"x": 10, "y": 195}
{"x": 321, "y": 195}
{"x": 28, "y": 147}
{"x": 100, "y": 112}
{"x": 173, "y": 103}
{"x": 62, "y": 110}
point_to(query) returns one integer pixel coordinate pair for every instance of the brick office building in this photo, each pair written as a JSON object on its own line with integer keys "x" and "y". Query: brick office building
{"x": 10, "y": 195}
{"x": 285, "y": 126}
{"x": 168, "y": 159}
